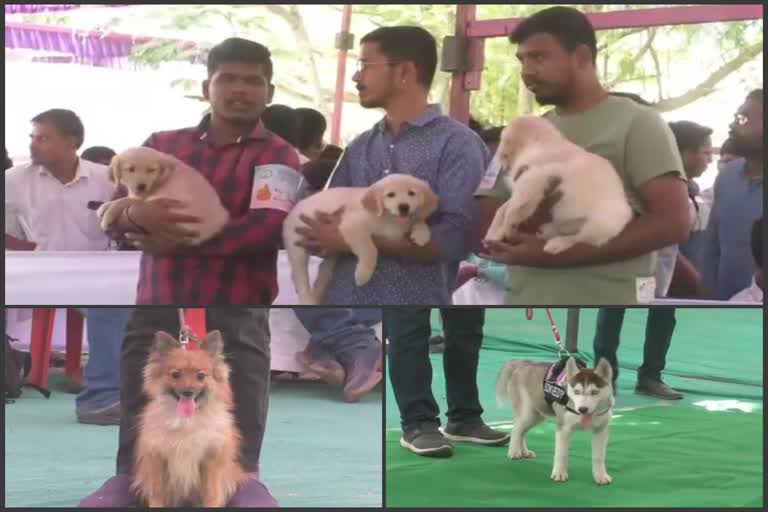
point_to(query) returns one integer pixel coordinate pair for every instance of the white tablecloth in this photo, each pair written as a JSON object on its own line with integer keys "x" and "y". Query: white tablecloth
{"x": 49, "y": 278}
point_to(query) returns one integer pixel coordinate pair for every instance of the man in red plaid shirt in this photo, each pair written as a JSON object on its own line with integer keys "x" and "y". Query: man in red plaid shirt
{"x": 238, "y": 155}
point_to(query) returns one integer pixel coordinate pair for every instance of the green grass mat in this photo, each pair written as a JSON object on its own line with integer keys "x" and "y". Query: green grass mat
{"x": 318, "y": 451}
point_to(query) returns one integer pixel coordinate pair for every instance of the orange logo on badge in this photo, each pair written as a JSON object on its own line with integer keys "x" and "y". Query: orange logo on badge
{"x": 264, "y": 194}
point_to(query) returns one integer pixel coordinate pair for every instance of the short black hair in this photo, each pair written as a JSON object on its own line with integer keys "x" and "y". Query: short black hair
{"x": 727, "y": 147}
{"x": 98, "y": 154}
{"x": 690, "y": 136}
{"x": 757, "y": 242}
{"x": 756, "y": 95}
{"x": 8, "y": 161}
{"x": 569, "y": 26}
{"x": 283, "y": 121}
{"x": 239, "y": 50}
{"x": 475, "y": 125}
{"x": 65, "y": 121}
{"x": 312, "y": 126}
{"x": 408, "y": 44}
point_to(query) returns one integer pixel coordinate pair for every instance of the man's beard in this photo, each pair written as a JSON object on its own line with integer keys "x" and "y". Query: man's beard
{"x": 746, "y": 148}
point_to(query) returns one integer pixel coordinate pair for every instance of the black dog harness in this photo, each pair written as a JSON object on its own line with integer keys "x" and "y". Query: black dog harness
{"x": 554, "y": 383}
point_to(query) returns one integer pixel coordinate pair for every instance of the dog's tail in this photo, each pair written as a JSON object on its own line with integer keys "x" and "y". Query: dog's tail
{"x": 503, "y": 381}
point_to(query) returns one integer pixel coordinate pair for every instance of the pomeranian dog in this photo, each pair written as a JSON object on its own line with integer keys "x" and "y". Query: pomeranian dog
{"x": 188, "y": 443}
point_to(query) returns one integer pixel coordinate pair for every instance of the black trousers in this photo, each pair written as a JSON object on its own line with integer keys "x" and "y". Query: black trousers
{"x": 658, "y": 336}
{"x": 410, "y": 369}
{"x": 246, "y": 346}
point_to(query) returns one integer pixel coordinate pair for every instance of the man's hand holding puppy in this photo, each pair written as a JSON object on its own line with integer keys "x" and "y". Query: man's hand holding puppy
{"x": 154, "y": 226}
{"x": 321, "y": 235}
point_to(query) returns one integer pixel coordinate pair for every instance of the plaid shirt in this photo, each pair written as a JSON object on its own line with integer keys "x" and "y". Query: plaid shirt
{"x": 239, "y": 265}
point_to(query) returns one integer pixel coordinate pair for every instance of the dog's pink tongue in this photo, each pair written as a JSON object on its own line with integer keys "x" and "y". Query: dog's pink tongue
{"x": 586, "y": 420}
{"x": 185, "y": 407}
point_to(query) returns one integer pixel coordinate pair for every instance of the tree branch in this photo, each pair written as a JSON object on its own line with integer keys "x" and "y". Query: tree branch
{"x": 707, "y": 86}
{"x": 639, "y": 55}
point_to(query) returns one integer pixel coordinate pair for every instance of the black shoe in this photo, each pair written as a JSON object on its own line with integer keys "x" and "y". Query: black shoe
{"x": 478, "y": 433}
{"x": 426, "y": 440}
{"x": 656, "y": 388}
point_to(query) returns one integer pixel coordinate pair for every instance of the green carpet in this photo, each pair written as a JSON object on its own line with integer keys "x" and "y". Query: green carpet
{"x": 307, "y": 458}
{"x": 705, "y": 450}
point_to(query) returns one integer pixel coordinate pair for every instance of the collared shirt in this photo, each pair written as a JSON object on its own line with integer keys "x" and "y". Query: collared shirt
{"x": 239, "y": 265}
{"x": 452, "y": 159}
{"x": 727, "y": 262}
{"x": 41, "y": 209}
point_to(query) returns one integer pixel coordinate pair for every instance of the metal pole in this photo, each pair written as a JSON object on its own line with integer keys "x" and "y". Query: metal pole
{"x": 572, "y": 331}
{"x": 344, "y": 44}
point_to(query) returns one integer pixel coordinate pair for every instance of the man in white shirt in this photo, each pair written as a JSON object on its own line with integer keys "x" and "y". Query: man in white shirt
{"x": 46, "y": 201}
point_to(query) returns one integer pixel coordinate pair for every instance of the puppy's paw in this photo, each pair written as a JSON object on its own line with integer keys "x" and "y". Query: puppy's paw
{"x": 559, "y": 475}
{"x": 517, "y": 453}
{"x": 602, "y": 478}
{"x": 362, "y": 276}
{"x": 420, "y": 234}
{"x": 558, "y": 244}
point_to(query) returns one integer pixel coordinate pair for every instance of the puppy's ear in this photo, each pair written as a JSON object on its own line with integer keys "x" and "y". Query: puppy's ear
{"x": 604, "y": 370}
{"x": 164, "y": 342}
{"x": 165, "y": 167}
{"x": 571, "y": 368}
{"x": 114, "y": 170}
{"x": 213, "y": 343}
{"x": 429, "y": 202}
{"x": 372, "y": 200}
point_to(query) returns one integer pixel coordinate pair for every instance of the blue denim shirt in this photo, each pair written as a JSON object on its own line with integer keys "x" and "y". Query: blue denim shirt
{"x": 452, "y": 159}
{"x": 727, "y": 263}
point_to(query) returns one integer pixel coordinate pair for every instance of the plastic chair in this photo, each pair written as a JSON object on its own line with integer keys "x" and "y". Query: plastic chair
{"x": 41, "y": 340}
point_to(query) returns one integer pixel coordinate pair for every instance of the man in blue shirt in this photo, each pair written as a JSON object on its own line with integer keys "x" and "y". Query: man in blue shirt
{"x": 727, "y": 265}
{"x": 395, "y": 72}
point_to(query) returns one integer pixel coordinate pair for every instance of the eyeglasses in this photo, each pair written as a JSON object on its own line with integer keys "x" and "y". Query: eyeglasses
{"x": 741, "y": 119}
{"x": 363, "y": 65}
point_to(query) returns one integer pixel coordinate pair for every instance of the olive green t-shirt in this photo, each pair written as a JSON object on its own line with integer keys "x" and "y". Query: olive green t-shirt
{"x": 641, "y": 146}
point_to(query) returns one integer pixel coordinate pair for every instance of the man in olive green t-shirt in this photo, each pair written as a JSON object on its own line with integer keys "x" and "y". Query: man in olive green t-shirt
{"x": 557, "y": 52}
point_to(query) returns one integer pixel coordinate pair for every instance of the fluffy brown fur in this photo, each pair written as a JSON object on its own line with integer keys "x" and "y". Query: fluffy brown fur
{"x": 187, "y": 461}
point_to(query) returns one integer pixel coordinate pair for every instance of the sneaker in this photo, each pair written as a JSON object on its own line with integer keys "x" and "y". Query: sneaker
{"x": 478, "y": 433}
{"x": 322, "y": 364}
{"x": 362, "y": 373}
{"x": 109, "y": 415}
{"x": 656, "y": 388}
{"x": 427, "y": 441}
{"x": 115, "y": 493}
{"x": 252, "y": 494}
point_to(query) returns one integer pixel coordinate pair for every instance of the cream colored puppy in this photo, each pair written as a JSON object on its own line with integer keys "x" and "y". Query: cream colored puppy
{"x": 149, "y": 174}
{"x": 590, "y": 205}
{"x": 391, "y": 208}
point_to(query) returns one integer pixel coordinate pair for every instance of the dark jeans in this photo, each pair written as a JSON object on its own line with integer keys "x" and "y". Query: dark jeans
{"x": 340, "y": 330}
{"x": 658, "y": 335}
{"x": 246, "y": 346}
{"x": 410, "y": 369}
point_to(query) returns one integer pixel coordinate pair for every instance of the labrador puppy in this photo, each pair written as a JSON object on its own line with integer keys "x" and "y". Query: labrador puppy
{"x": 392, "y": 208}
{"x": 148, "y": 174}
{"x": 588, "y": 202}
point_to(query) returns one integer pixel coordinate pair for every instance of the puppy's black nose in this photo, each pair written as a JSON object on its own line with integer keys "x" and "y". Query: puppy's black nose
{"x": 583, "y": 410}
{"x": 188, "y": 394}
{"x": 403, "y": 208}
{"x": 141, "y": 187}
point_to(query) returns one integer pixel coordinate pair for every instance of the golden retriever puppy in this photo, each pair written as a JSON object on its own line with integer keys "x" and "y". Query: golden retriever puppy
{"x": 149, "y": 174}
{"x": 392, "y": 208}
{"x": 589, "y": 203}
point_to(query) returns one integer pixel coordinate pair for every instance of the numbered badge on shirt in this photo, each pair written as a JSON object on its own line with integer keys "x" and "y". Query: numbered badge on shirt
{"x": 275, "y": 186}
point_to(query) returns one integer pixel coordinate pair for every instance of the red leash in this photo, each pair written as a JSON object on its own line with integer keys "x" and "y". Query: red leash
{"x": 192, "y": 322}
{"x": 529, "y": 316}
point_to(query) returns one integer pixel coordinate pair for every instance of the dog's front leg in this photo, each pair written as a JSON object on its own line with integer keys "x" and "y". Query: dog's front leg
{"x": 214, "y": 493}
{"x": 599, "y": 448}
{"x": 420, "y": 234}
{"x": 361, "y": 244}
{"x": 562, "y": 446}
{"x": 497, "y": 230}
{"x": 109, "y": 212}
